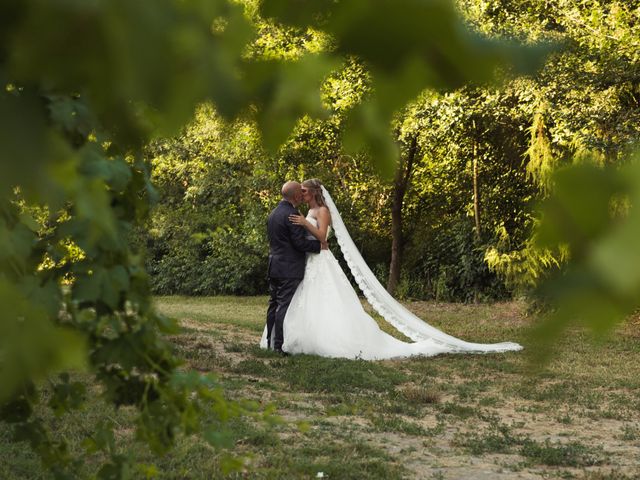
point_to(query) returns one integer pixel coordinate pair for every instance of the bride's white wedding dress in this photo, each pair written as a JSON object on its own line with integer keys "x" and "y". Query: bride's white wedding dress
{"x": 326, "y": 318}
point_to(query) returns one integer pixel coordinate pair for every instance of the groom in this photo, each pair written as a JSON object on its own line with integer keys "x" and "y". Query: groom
{"x": 287, "y": 247}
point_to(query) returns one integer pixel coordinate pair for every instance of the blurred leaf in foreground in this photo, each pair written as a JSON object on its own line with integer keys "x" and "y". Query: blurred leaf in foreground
{"x": 409, "y": 45}
{"x": 30, "y": 343}
{"x": 595, "y": 212}
{"x": 284, "y": 91}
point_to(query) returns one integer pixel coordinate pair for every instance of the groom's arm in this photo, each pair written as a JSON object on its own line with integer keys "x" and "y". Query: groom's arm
{"x": 299, "y": 241}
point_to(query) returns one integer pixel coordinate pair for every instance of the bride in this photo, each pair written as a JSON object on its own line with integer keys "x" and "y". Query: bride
{"x": 325, "y": 316}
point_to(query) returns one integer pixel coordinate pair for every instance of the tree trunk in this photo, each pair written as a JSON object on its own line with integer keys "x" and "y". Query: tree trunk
{"x": 401, "y": 182}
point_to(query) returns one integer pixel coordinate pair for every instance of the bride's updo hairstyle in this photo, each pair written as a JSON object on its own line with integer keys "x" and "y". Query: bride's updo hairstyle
{"x": 315, "y": 186}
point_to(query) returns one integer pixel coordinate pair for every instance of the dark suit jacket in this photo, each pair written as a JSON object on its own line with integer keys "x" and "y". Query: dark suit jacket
{"x": 287, "y": 244}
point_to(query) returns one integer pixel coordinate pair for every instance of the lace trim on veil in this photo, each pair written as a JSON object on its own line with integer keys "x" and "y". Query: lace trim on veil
{"x": 388, "y": 307}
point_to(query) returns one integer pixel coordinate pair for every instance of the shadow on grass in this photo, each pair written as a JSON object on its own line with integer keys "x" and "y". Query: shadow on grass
{"x": 309, "y": 373}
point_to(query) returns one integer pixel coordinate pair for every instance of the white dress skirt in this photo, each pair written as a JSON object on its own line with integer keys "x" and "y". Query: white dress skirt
{"x": 326, "y": 318}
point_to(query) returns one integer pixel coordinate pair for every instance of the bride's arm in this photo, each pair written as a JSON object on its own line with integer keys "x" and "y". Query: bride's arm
{"x": 324, "y": 219}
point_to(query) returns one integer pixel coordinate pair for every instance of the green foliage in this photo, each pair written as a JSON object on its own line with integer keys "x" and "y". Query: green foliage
{"x": 416, "y": 57}
{"x": 216, "y": 182}
{"x": 542, "y": 162}
{"x": 593, "y": 211}
{"x": 574, "y": 109}
{"x": 448, "y": 265}
{"x": 443, "y": 252}
{"x": 217, "y": 185}
{"x": 581, "y": 107}
{"x": 206, "y": 235}
{"x": 361, "y": 101}
{"x": 82, "y": 87}
{"x": 525, "y": 268}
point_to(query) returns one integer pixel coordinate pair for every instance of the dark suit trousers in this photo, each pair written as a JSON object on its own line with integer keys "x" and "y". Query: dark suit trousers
{"x": 281, "y": 291}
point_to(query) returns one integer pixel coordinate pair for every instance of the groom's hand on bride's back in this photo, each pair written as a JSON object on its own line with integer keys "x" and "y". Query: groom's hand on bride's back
{"x": 324, "y": 245}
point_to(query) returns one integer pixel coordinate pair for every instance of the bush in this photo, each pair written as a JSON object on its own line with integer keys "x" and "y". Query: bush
{"x": 224, "y": 262}
{"x": 448, "y": 265}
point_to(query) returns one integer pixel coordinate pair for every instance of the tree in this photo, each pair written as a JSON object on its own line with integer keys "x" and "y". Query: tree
{"x": 400, "y": 185}
{"x": 579, "y": 258}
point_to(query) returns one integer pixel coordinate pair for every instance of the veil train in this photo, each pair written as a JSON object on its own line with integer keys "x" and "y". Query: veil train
{"x": 389, "y": 308}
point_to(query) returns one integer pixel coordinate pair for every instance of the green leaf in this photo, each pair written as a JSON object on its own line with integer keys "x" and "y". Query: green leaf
{"x": 92, "y": 203}
{"x": 20, "y": 407}
{"x": 16, "y": 244}
{"x": 218, "y": 439}
{"x": 368, "y": 130}
{"x": 285, "y": 91}
{"x": 119, "y": 174}
{"x": 47, "y": 296}
{"x": 167, "y": 325}
{"x": 22, "y": 140}
{"x": 600, "y": 285}
{"x": 579, "y": 209}
{"x": 104, "y": 438}
{"x": 31, "y": 343}
{"x": 397, "y": 33}
{"x": 67, "y": 396}
{"x": 229, "y": 464}
{"x": 616, "y": 257}
{"x": 409, "y": 45}
{"x": 89, "y": 287}
{"x": 72, "y": 114}
{"x": 120, "y": 468}
{"x": 119, "y": 278}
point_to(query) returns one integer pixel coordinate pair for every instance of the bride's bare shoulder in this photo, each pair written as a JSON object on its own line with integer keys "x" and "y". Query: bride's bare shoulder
{"x": 323, "y": 211}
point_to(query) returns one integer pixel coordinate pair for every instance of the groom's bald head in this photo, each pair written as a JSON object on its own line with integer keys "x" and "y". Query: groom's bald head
{"x": 292, "y": 192}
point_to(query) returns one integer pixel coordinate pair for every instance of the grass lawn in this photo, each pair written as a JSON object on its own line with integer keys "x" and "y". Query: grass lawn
{"x": 447, "y": 417}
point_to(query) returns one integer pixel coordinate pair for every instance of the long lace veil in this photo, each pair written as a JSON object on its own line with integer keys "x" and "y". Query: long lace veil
{"x": 388, "y": 307}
